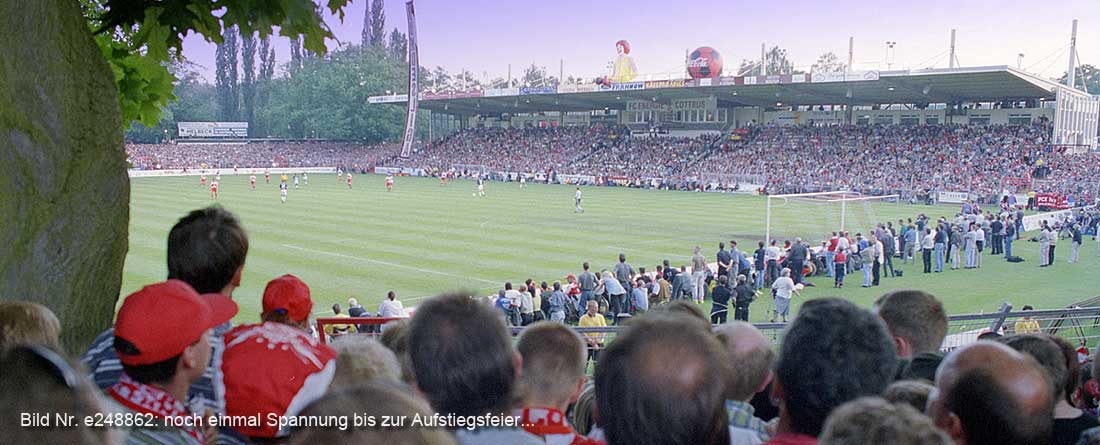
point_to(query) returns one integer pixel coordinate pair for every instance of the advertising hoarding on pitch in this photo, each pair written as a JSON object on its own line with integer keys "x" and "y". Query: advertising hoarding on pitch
{"x": 213, "y": 129}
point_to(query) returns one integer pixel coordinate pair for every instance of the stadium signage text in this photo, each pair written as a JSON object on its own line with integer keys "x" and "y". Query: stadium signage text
{"x": 952, "y": 197}
{"x": 213, "y": 129}
{"x": 627, "y": 86}
{"x": 664, "y": 84}
{"x": 525, "y": 91}
{"x": 645, "y": 105}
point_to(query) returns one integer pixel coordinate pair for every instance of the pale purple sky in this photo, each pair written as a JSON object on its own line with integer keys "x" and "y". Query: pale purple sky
{"x": 485, "y": 36}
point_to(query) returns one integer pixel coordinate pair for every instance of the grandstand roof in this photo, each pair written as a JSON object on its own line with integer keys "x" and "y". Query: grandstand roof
{"x": 973, "y": 84}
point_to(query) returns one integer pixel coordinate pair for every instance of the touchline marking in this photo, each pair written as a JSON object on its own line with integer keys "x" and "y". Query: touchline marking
{"x": 387, "y": 263}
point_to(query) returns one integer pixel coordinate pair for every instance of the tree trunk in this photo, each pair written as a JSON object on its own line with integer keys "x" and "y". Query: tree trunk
{"x": 64, "y": 192}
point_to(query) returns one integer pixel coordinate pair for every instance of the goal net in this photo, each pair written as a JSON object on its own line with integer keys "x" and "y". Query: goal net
{"x": 814, "y": 216}
{"x": 471, "y": 170}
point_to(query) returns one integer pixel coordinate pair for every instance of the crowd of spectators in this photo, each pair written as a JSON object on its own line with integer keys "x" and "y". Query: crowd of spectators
{"x": 900, "y": 159}
{"x": 346, "y": 155}
{"x": 452, "y": 372}
{"x": 909, "y": 160}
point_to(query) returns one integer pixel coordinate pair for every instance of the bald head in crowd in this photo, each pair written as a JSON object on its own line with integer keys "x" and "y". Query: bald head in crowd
{"x": 750, "y": 359}
{"x": 988, "y": 393}
{"x": 659, "y": 383}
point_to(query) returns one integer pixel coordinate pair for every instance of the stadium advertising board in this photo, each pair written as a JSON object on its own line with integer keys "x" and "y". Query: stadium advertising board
{"x": 1051, "y": 201}
{"x": 497, "y": 92}
{"x": 628, "y": 86}
{"x": 645, "y": 105}
{"x": 952, "y": 197}
{"x": 526, "y": 91}
{"x": 387, "y": 99}
{"x": 844, "y": 76}
{"x": 679, "y": 83}
{"x": 213, "y": 129}
{"x": 586, "y": 88}
{"x": 695, "y": 104}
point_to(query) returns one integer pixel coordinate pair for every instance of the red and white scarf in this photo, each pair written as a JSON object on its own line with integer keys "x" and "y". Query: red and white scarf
{"x": 550, "y": 424}
{"x": 147, "y": 399}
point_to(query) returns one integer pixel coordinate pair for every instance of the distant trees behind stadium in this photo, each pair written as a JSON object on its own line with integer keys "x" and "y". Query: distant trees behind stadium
{"x": 310, "y": 96}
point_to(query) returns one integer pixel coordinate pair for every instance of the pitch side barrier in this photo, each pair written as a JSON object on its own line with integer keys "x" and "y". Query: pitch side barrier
{"x": 1079, "y": 326}
{"x": 225, "y": 171}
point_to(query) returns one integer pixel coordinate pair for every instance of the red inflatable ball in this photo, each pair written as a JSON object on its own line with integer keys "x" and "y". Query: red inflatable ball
{"x": 705, "y": 63}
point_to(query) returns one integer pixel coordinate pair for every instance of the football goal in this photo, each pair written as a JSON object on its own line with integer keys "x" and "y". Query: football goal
{"x": 814, "y": 216}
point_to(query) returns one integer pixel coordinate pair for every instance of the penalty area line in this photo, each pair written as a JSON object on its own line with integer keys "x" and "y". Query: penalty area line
{"x": 387, "y": 263}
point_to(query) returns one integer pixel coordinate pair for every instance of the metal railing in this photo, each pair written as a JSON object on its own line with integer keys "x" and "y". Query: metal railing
{"x": 1079, "y": 326}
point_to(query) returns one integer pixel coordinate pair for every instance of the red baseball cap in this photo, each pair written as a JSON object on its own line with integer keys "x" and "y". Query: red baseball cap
{"x": 163, "y": 319}
{"x": 288, "y": 294}
{"x": 273, "y": 368}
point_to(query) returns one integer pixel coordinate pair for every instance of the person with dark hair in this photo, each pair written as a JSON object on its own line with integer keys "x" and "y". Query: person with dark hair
{"x": 748, "y": 371}
{"x": 206, "y": 250}
{"x": 1069, "y": 421}
{"x": 337, "y": 330}
{"x": 744, "y": 295}
{"x": 813, "y": 376}
{"x": 39, "y": 380}
{"x": 641, "y": 400}
{"x": 162, "y": 338}
{"x": 988, "y": 393}
{"x": 587, "y": 283}
{"x": 681, "y": 284}
{"x": 623, "y": 271}
{"x": 464, "y": 364}
{"x": 724, "y": 260}
{"x": 917, "y": 322}
{"x": 1026, "y": 324}
{"x": 720, "y": 301}
{"x": 552, "y": 379}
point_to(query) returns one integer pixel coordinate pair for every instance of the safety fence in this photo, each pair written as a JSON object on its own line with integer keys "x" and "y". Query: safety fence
{"x": 1078, "y": 325}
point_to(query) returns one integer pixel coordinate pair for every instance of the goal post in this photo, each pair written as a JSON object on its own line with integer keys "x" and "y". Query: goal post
{"x": 809, "y": 215}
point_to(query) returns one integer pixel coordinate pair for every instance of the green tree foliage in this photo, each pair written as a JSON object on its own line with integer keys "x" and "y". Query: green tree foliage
{"x": 378, "y": 23}
{"x": 777, "y": 61}
{"x": 828, "y": 63}
{"x": 248, "y": 77}
{"x": 327, "y": 98}
{"x": 399, "y": 46}
{"x": 1087, "y": 78}
{"x": 364, "y": 38}
{"x": 226, "y": 80}
{"x": 137, "y": 37}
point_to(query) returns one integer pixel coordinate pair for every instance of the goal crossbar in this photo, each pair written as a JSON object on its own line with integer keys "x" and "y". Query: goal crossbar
{"x": 822, "y": 197}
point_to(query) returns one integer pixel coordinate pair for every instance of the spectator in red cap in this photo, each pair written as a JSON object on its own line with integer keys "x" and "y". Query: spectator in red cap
{"x": 206, "y": 249}
{"x": 287, "y": 301}
{"x": 272, "y": 371}
{"x": 162, "y": 338}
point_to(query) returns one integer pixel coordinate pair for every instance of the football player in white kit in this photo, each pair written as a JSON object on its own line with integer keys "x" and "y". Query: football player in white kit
{"x": 480, "y": 186}
{"x": 305, "y": 178}
{"x": 523, "y": 181}
{"x": 295, "y": 182}
{"x": 577, "y": 201}
{"x": 282, "y": 191}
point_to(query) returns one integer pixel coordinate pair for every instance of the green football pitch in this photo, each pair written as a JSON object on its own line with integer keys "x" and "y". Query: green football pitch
{"x": 422, "y": 239}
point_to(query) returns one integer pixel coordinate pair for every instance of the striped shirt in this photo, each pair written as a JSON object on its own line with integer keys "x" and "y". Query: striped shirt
{"x": 741, "y": 416}
{"x": 206, "y": 392}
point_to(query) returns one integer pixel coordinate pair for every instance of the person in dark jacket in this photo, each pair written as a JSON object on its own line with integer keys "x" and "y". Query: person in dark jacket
{"x": 745, "y": 295}
{"x": 720, "y": 299}
{"x": 796, "y": 257}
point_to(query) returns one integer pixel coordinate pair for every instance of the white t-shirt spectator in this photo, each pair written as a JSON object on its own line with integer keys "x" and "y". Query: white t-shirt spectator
{"x": 391, "y": 308}
{"x": 783, "y": 287}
